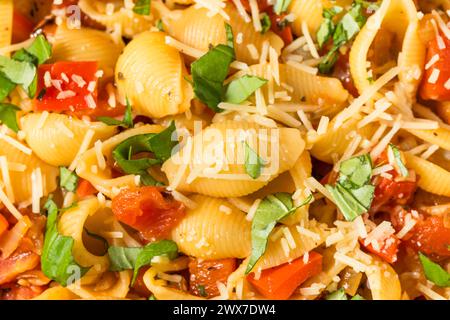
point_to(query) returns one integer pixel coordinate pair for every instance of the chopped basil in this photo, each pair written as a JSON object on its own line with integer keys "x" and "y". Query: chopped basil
{"x": 281, "y": 6}
{"x": 272, "y": 209}
{"x": 398, "y": 160}
{"x": 353, "y": 192}
{"x": 337, "y": 295}
{"x": 202, "y": 291}
{"x": 210, "y": 71}
{"x": 240, "y": 89}
{"x": 57, "y": 261}
{"x": 253, "y": 162}
{"x": 434, "y": 272}
{"x": 349, "y": 25}
{"x": 8, "y": 116}
{"x": 6, "y": 86}
{"x": 164, "y": 247}
{"x": 142, "y": 7}
{"x": 357, "y": 297}
{"x": 159, "y": 25}
{"x": 127, "y": 121}
{"x": 327, "y": 27}
{"x": 68, "y": 179}
{"x": 230, "y": 37}
{"x": 160, "y": 144}
{"x": 18, "y": 72}
{"x": 122, "y": 258}
{"x": 152, "y": 297}
{"x": 41, "y": 49}
{"x": 266, "y": 23}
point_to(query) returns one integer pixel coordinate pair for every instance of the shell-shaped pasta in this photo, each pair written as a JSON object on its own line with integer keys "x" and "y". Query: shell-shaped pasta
{"x": 299, "y": 173}
{"x": 383, "y": 281}
{"x": 208, "y": 233}
{"x": 398, "y": 17}
{"x": 276, "y": 255}
{"x": 102, "y": 179}
{"x": 222, "y": 142}
{"x": 433, "y": 178}
{"x": 309, "y": 11}
{"x": 6, "y": 19}
{"x": 196, "y": 29}
{"x": 151, "y": 74}
{"x": 161, "y": 291}
{"x": 21, "y": 178}
{"x": 335, "y": 141}
{"x": 440, "y": 136}
{"x": 57, "y": 293}
{"x": 307, "y": 87}
{"x": 87, "y": 45}
{"x": 59, "y": 138}
{"x": 110, "y": 286}
{"x": 130, "y": 22}
{"x": 72, "y": 224}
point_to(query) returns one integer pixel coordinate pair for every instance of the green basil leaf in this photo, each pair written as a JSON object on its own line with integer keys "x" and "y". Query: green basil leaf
{"x": 127, "y": 121}
{"x": 57, "y": 261}
{"x": 355, "y": 172}
{"x": 163, "y": 143}
{"x": 159, "y": 25}
{"x": 357, "y": 297}
{"x": 266, "y": 23}
{"x": 272, "y": 209}
{"x": 18, "y": 72}
{"x": 337, "y": 295}
{"x": 122, "y": 258}
{"x": 346, "y": 202}
{"x": 240, "y": 89}
{"x": 434, "y": 272}
{"x": 230, "y": 37}
{"x": 253, "y": 162}
{"x": 110, "y": 121}
{"x": 6, "y": 86}
{"x": 325, "y": 32}
{"x": 328, "y": 61}
{"x": 209, "y": 73}
{"x": 8, "y": 116}
{"x": 281, "y": 6}
{"x": 152, "y": 297}
{"x": 159, "y": 248}
{"x": 202, "y": 291}
{"x": 68, "y": 179}
{"x": 142, "y": 7}
{"x": 398, "y": 160}
{"x": 41, "y": 49}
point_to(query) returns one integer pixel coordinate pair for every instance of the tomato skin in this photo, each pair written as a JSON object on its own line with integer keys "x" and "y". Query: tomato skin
{"x": 18, "y": 292}
{"x": 85, "y": 188}
{"x": 49, "y": 100}
{"x": 285, "y": 32}
{"x": 146, "y": 210}
{"x": 392, "y": 192}
{"x": 22, "y": 27}
{"x": 437, "y": 91}
{"x": 207, "y": 273}
{"x": 388, "y": 249}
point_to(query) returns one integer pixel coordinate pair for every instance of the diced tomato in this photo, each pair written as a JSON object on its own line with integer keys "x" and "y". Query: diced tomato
{"x": 204, "y": 275}
{"x": 429, "y": 235}
{"x": 284, "y": 31}
{"x": 280, "y": 282}
{"x": 18, "y": 292}
{"x": 52, "y": 98}
{"x": 22, "y": 27}
{"x": 23, "y": 259}
{"x": 148, "y": 211}
{"x": 387, "y": 250}
{"x": 437, "y": 91}
{"x": 85, "y": 188}
{"x": 103, "y": 109}
{"x": 391, "y": 192}
{"x": 3, "y": 224}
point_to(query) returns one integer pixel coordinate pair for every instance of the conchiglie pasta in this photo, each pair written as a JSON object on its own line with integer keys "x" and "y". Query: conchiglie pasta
{"x": 87, "y": 45}
{"x": 57, "y": 293}
{"x": 111, "y": 285}
{"x": 72, "y": 224}
{"x": 275, "y": 254}
{"x": 6, "y": 20}
{"x": 309, "y": 11}
{"x": 440, "y": 136}
{"x": 334, "y": 142}
{"x": 307, "y": 87}
{"x": 383, "y": 281}
{"x": 196, "y": 29}
{"x": 129, "y": 22}
{"x": 397, "y": 19}
{"x": 151, "y": 74}
{"x": 58, "y": 139}
{"x": 102, "y": 178}
{"x": 221, "y": 159}
{"x": 21, "y": 178}
{"x": 433, "y": 178}
{"x": 208, "y": 233}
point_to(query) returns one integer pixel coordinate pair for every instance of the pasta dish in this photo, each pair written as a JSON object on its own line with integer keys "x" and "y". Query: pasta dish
{"x": 225, "y": 149}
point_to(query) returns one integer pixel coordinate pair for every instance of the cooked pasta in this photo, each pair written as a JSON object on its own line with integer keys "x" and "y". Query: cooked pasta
{"x": 224, "y": 150}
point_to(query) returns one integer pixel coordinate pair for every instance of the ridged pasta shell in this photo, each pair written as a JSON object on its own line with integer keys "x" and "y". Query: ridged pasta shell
{"x": 440, "y": 136}
{"x": 208, "y": 233}
{"x": 309, "y": 11}
{"x": 6, "y": 19}
{"x": 193, "y": 27}
{"x": 222, "y": 137}
{"x": 151, "y": 74}
{"x": 383, "y": 281}
{"x": 58, "y": 140}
